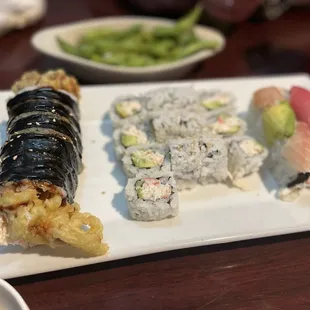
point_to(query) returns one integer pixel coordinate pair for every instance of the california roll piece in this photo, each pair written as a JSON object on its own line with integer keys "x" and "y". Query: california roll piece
{"x": 128, "y": 109}
{"x": 180, "y": 125}
{"x": 131, "y": 135}
{"x": 245, "y": 156}
{"x": 228, "y": 126}
{"x": 213, "y": 166}
{"x": 152, "y": 198}
{"x": 165, "y": 99}
{"x": 215, "y": 102}
{"x": 40, "y": 163}
{"x": 185, "y": 162}
{"x": 146, "y": 160}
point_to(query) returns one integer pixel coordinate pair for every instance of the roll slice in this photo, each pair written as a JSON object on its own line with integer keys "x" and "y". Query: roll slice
{"x": 185, "y": 162}
{"x": 40, "y": 163}
{"x": 146, "y": 160}
{"x": 214, "y": 161}
{"x": 152, "y": 198}
{"x": 245, "y": 156}
{"x": 167, "y": 99}
{"x": 131, "y": 135}
{"x": 180, "y": 125}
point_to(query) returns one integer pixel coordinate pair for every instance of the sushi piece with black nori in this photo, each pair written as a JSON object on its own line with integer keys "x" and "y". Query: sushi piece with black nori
{"x": 42, "y": 111}
{"x": 40, "y": 163}
{"x": 153, "y": 197}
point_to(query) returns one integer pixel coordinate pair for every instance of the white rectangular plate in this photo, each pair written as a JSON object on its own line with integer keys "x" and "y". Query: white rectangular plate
{"x": 209, "y": 215}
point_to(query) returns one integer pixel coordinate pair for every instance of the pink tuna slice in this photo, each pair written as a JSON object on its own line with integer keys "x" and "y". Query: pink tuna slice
{"x": 297, "y": 148}
{"x": 268, "y": 96}
{"x": 300, "y": 102}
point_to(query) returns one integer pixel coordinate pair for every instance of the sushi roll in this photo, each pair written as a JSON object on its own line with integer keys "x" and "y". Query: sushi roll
{"x": 132, "y": 135}
{"x": 152, "y": 198}
{"x": 185, "y": 158}
{"x": 215, "y": 102}
{"x": 40, "y": 163}
{"x": 165, "y": 99}
{"x": 214, "y": 162}
{"x": 128, "y": 109}
{"x": 180, "y": 125}
{"x": 228, "y": 126}
{"x": 198, "y": 161}
{"x": 42, "y": 110}
{"x": 185, "y": 162}
{"x": 146, "y": 160}
{"x": 245, "y": 156}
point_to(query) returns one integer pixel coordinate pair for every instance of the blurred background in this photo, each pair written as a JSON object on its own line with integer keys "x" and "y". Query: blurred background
{"x": 263, "y": 36}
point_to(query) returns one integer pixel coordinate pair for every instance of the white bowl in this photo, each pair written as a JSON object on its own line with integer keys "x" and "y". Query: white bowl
{"x": 45, "y": 42}
{"x": 10, "y": 298}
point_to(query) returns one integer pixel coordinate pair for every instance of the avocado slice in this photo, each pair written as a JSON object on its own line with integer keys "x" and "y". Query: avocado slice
{"x": 231, "y": 131}
{"x": 141, "y": 160}
{"x": 139, "y": 190}
{"x": 212, "y": 105}
{"x": 279, "y": 122}
{"x": 128, "y": 140}
{"x": 121, "y": 111}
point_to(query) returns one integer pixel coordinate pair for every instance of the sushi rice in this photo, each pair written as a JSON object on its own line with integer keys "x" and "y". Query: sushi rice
{"x": 165, "y": 99}
{"x": 199, "y": 161}
{"x": 180, "y": 125}
{"x": 152, "y": 198}
{"x": 245, "y": 156}
{"x": 185, "y": 159}
{"x": 214, "y": 162}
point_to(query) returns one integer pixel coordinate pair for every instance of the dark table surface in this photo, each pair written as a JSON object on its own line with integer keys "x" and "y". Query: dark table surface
{"x": 271, "y": 273}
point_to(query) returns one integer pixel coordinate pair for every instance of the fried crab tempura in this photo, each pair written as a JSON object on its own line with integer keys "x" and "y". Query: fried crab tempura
{"x": 34, "y": 217}
{"x": 57, "y": 79}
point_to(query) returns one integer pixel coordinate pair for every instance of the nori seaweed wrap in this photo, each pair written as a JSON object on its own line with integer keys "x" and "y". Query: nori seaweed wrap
{"x": 40, "y": 163}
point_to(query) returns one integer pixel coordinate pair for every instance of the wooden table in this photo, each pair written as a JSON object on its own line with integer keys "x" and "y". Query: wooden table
{"x": 261, "y": 274}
